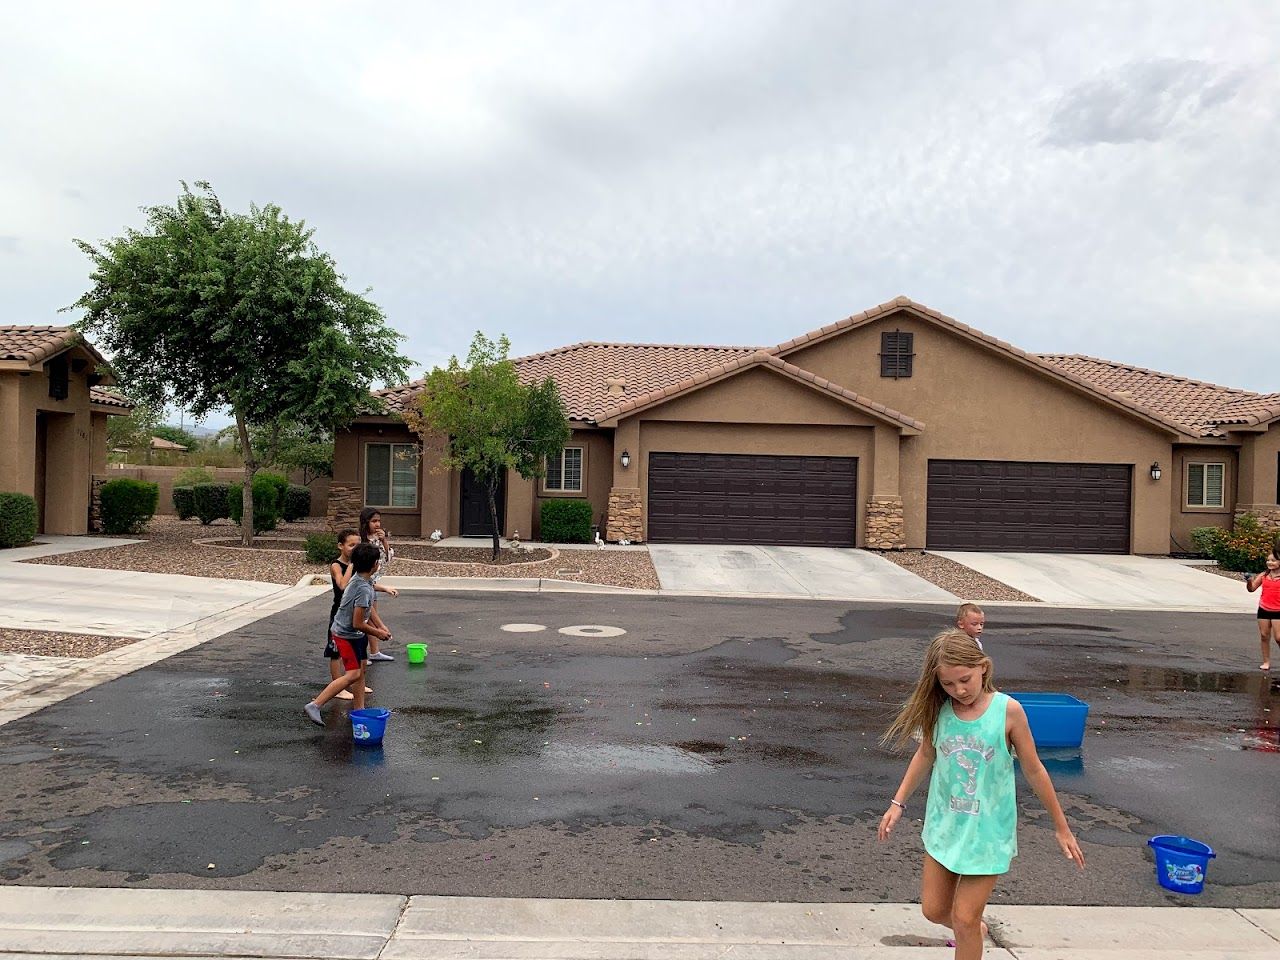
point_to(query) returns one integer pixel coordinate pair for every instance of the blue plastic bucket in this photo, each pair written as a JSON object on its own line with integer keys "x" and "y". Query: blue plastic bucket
{"x": 1181, "y": 863}
{"x": 369, "y": 725}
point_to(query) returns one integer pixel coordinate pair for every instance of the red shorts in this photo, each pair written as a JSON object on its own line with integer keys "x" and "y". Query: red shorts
{"x": 353, "y": 653}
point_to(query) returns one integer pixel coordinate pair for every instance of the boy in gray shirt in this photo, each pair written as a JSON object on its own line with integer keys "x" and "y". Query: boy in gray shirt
{"x": 352, "y": 626}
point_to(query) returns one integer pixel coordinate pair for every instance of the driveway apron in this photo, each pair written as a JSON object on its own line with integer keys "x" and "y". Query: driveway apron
{"x": 117, "y": 603}
{"x": 787, "y": 571}
{"x": 1091, "y": 580}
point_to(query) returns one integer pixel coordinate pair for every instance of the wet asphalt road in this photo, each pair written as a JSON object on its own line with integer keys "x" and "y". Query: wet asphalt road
{"x": 717, "y": 750}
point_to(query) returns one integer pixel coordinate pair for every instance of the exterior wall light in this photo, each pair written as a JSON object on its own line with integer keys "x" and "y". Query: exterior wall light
{"x": 625, "y": 459}
{"x": 1155, "y": 470}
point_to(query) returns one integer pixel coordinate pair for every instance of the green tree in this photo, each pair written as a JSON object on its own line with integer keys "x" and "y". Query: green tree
{"x": 290, "y": 446}
{"x": 490, "y": 422}
{"x": 205, "y": 310}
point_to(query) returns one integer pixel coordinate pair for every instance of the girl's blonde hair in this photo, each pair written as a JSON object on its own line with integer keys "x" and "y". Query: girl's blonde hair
{"x": 950, "y": 648}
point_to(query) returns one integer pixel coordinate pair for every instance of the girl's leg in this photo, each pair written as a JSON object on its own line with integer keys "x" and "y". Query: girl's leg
{"x": 972, "y": 894}
{"x": 937, "y": 892}
{"x": 335, "y": 671}
{"x": 1264, "y": 634}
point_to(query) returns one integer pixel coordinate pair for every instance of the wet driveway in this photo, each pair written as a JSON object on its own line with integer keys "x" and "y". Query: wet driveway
{"x": 660, "y": 748}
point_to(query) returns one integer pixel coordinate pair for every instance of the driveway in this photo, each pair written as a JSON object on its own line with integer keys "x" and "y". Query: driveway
{"x": 823, "y": 572}
{"x": 116, "y": 603}
{"x": 1092, "y": 580}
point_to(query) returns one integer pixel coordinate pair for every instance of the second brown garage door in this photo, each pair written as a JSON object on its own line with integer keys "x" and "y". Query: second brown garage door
{"x": 1038, "y": 507}
{"x": 729, "y": 498}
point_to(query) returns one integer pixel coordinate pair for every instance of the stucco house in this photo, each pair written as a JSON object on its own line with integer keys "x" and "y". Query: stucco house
{"x": 53, "y": 421}
{"x": 895, "y": 427}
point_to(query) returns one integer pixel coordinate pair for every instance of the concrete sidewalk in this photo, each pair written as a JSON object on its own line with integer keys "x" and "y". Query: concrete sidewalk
{"x": 73, "y": 922}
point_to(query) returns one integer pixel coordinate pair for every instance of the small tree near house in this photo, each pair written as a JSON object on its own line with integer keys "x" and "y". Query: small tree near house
{"x": 209, "y": 310}
{"x": 490, "y": 421}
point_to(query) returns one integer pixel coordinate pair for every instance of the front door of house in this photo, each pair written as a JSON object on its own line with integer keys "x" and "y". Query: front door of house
{"x": 474, "y": 515}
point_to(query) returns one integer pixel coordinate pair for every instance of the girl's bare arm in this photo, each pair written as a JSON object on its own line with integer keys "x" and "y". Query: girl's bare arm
{"x": 919, "y": 767}
{"x": 1033, "y": 769}
{"x": 340, "y": 578}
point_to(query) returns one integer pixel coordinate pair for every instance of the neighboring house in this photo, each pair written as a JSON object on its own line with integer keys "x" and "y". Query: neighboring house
{"x": 53, "y": 421}
{"x": 160, "y": 443}
{"x": 896, "y": 427}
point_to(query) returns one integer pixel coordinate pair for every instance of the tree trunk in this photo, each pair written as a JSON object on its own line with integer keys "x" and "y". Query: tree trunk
{"x": 250, "y": 468}
{"x": 492, "y": 488}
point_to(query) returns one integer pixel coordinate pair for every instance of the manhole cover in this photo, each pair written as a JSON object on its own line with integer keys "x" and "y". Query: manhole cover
{"x": 523, "y": 627}
{"x": 592, "y": 630}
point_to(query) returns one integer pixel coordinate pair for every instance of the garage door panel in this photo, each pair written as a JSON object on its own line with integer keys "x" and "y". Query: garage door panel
{"x": 1041, "y": 507}
{"x": 752, "y": 498}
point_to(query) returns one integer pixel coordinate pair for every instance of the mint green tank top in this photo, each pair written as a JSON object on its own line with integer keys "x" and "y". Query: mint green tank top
{"x": 971, "y": 818}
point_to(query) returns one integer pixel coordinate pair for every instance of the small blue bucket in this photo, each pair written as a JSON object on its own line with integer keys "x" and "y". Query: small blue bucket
{"x": 1181, "y": 863}
{"x": 369, "y": 725}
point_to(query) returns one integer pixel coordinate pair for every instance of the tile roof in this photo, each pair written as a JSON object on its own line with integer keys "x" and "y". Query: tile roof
{"x": 653, "y": 372}
{"x": 108, "y": 398}
{"x": 1198, "y": 406}
{"x": 34, "y": 344}
{"x": 582, "y": 372}
{"x": 758, "y": 358}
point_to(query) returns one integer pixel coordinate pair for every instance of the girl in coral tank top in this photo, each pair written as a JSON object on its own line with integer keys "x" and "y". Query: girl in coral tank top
{"x": 1268, "y": 606}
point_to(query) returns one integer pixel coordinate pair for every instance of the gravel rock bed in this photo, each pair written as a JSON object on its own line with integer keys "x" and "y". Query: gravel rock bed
{"x": 965, "y": 582}
{"x": 41, "y": 643}
{"x": 411, "y": 550}
{"x": 1217, "y": 570}
{"x": 168, "y": 548}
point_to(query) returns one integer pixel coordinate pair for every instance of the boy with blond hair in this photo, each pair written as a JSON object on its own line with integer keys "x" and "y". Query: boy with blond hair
{"x": 970, "y": 620}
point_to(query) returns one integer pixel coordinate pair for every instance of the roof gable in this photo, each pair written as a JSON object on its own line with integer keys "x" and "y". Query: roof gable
{"x": 1008, "y": 350}
{"x": 30, "y": 346}
{"x": 760, "y": 359}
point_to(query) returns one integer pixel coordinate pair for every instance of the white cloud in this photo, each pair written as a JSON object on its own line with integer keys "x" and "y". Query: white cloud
{"x": 1096, "y": 178}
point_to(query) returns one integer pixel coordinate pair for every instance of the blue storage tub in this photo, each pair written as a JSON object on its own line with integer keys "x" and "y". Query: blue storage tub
{"x": 1056, "y": 719}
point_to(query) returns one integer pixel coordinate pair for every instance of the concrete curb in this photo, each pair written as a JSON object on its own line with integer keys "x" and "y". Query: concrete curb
{"x": 84, "y": 922}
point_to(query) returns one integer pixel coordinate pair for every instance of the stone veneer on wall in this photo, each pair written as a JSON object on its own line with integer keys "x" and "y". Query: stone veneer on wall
{"x": 1268, "y": 515}
{"x": 625, "y": 521}
{"x": 95, "y": 502}
{"x": 885, "y": 524}
{"x": 346, "y": 500}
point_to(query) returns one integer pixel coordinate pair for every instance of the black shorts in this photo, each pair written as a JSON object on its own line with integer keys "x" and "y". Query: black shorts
{"x": 1265, "y": 614}
{"x": 330, "y": 651}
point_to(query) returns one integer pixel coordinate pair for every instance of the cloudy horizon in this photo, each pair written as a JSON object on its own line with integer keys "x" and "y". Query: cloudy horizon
{"x": 1098, "y": 179}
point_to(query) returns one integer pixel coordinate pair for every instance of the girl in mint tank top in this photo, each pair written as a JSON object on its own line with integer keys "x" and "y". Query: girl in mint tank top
{"x": 968, "y": 733}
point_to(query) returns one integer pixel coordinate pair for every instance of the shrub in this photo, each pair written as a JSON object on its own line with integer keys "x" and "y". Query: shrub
{"x": 322, "y": 548}
{"x": 184, "y": 502}
{"x": 566, "y": 521}
{"x": 266, "y": 502}
{"x": 18, "y": 519}
{"x": 279, "y": 482}
{"x": 127, "y": 504}
{"x": 1243, "y": 549}
{"x": 191, "y": 476}
{"x": 211, "y": 501}
{"x": 297, "y": 503}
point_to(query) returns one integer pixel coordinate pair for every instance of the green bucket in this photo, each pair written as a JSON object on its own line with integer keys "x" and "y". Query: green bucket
{"x": 416, "y": 652}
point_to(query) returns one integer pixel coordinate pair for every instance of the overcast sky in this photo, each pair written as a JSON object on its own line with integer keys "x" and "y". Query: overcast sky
{"x": 1097, "y": 178}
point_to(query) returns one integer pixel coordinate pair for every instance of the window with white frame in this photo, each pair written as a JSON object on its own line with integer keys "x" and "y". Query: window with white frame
{"x": 564, "y": 472}
{"x": 390, "y": 475}
{"x": 1205, "y": 483}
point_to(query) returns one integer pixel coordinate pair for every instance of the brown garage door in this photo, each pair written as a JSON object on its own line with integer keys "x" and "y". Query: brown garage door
{"x": 728, "y": 498}
{"x": 1041, "y": 507}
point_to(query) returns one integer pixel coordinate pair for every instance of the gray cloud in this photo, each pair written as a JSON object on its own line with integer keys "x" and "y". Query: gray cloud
{"x": 1141, "y": 101}
{"x": 9, "y": 243}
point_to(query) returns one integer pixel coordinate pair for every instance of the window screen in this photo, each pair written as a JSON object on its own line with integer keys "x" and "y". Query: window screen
{"x": 565, "y": 471}
{"x": 1205, "y": 486}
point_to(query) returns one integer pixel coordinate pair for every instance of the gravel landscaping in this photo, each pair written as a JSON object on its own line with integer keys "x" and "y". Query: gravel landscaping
{"x": 964, "y": 582}
{"x": 169, "y": 547}
{"x": 41, "y": 643}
